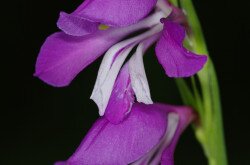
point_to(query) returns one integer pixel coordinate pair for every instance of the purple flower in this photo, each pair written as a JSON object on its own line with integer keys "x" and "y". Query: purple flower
{"x": 64, "y": 54}
{"x": 147, "y": 136}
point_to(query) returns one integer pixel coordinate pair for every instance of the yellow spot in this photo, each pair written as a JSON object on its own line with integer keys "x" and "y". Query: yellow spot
{"x": 103, "y": 27}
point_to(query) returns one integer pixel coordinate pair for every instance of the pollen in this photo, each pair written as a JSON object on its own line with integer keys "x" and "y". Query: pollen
{"x": 103, "y": 27}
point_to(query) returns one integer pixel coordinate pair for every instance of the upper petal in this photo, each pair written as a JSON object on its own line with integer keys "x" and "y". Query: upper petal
{"x": 122, "y": 143}
{"x": 63, "y": 56}
{"x": 115, "y": 12}
{"x": 74, "y": 25}
{"x": 77, "y": 25}
{"x": 176, "y": 60}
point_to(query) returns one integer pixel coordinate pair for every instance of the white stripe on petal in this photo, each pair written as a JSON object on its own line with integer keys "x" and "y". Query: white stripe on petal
{"x": 154, "y": 156}
{"x": 164, "y": 6}
{"x": 137, "y": 72}
{"x": 104, "y": 90}
{"x": 173, "y": 122}
{"x": 111, "y": 65}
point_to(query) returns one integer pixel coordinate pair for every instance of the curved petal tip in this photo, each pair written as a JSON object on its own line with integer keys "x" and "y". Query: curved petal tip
{"x": 76, "y": 26}
{"x": 176, "y": 60}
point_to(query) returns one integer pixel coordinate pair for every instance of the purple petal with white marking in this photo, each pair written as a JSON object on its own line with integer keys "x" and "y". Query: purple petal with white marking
{"x": 121, "y": 99}
{"x": 176, "y": 60}
{"x": 122, "y": 96}
{"x": 139, "y": 139}
{"x": 63, "y": 56}
{"x": 178, "y": 118}
{"x": 124, "y": 143}
{"x": 107, "y": 75}
{"x": 186, "y": 116}
{"x": 111, "y": 65}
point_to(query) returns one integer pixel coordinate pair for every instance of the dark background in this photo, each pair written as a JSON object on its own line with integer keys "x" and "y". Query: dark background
{"x": 41, "y": 124}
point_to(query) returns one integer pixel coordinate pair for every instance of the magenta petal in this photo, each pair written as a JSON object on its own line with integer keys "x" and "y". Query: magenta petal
{"x": 176, "y": 60}
{"x": 74, "y": 25}
{"x": 178, "y": 118}
{"x": 62, "y": 56}
{"x": 123, "y": 143}
{"x": 121, "y": 99}
{"x": 186, "y": 115}
{"x": 115, "y": 12}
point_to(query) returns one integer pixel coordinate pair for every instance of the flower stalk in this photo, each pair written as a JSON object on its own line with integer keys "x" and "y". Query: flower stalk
{"x": 209, "y": 131}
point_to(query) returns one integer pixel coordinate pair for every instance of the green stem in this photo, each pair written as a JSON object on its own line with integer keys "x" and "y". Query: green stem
{"x": 174, "y": 2}
{"x": 210, "y": 131}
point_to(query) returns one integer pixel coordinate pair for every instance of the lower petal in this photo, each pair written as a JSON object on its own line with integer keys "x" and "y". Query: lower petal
{"x": 186, "y": 115}
{"x": 121, "y": 99}
{"x": 178, "y": 118}
{"x": 124, "y": 143}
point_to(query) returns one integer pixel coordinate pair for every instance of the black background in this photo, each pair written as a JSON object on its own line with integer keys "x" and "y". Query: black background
{"x": 41, "y": 124}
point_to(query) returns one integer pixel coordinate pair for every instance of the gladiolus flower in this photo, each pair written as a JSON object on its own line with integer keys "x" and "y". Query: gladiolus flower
{"x": 64, "y": 54}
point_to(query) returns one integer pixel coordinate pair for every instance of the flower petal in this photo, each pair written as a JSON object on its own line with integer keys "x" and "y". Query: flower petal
{"x": 111, "y": 65}
{"x": 178, "y": 118}
{"x": 62, "y": 56}
{"x": 75, "y": 25}
{"x": 154, "y": 156}
{"x": 122, "y": 96}
{"x": 176, "y": 60}
{"x": 123, "y": 143}
{"x": 115, "y": 12}
{"x": 121, "y": 99}
{"x": 186, "y": 115}
{"x": 107, "y": 76}
{"x": 137, "y": 72}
